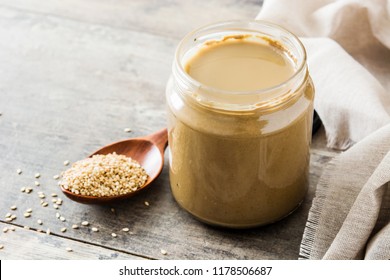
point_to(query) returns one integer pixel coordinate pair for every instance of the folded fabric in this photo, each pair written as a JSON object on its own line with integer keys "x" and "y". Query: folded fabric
{"x": 348, "y": 46}
{"x": 350, "y": 216}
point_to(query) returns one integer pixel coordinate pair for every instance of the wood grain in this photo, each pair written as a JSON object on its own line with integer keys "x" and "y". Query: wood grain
{"x": 40, "y": 246}
{"x": 73, "y": 75}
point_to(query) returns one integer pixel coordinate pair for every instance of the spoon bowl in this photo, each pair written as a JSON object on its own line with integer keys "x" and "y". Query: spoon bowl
{"x": 148, "y": 151}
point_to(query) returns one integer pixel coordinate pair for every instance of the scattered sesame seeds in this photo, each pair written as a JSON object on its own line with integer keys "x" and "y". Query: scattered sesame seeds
{"x": 58, "y": 215}
{"x": 45, "y": 204}
{"x": 29, "y": 210}
{"x": 56, "y": 177}
{"x": 56, "y": 206}
{"x": 13, "y": 216}
{"x": 8, "y": 215}
{"x": 54, "y": 195}
{"x": 27, "y": 215}
{"x": 13, "y": 207}
{"x": 127, "y": 130}
{"x": 66, "y": 162}
{"x": 19, "y": 171}
{"x": 95, "y": 229}
{"x": 85, "y": 223}
{"x": 28, "y": 190}
{"x": 75, "y": 226}
{"x": 1, "y": 246}
{"x": 39, "y": 222}
{"x": 5, "y": 229}
{"x": 125, "y": 229}
{"x": 113, "y": 234}
{"x": 113, "y": 210}
{"x": 163, "y": 252}
{"x": 48, "y": 231}
{"x": 37, "y": 183}
{"x": 69, "y": 249}
{"x": 146, "y": 203}
{"x": 23, "y": 189}
{"x": 63, "y": 229}
{"x": 12, "y": 228}
{"x": 37, "y": 175}
{"x": 41, "y": 196}
{"x": 26, "y": 227}
{"x": 62, "y": 219}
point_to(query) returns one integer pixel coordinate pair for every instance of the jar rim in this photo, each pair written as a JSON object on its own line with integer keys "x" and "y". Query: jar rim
{"x": 264, "y": 98}
{"x": 222, "y": 24}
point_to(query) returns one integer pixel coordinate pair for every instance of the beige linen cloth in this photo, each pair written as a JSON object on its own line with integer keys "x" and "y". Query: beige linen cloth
{"x": 348, "y": 47}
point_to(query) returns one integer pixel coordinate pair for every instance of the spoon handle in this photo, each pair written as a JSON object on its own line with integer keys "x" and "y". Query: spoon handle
{"x": 160, "y": 139}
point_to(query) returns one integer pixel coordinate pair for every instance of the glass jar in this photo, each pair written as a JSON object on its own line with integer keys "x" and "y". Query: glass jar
{"x": 239, "y": 159}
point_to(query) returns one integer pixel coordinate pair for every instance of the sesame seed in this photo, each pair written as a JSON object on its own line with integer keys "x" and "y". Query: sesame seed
{"x": 37, "y": 183}
{"x": 146, "y": 203}
{"x": 13, "y": 216}
{"x": 62, "y": 219}
{"x": 113, "y": 210}
{"x": 56, "y": 177}
{"x": 8, "y": 215}
{"x": 54, "y": 195}
{"x": 29, "y": 210}
{"x": 63, "y": 229}
{"x": 125, "y": 229}
{"x": 19, "y": 171}
{"x": 94, "y": 176}
{"x": 28, "y": 190}
{"x": 13, "y": 207}
{"x": 8, "y": 219}
{"x": 23, "y": 189}
{"x": 12, "y": 228}
{"x": 95, "y": 229}
{"x": 75, "y": 226}
{"x": 66, "y": 162}
{"x": 55, "y": 206}
{"x": 69, "y": 249}
{"x": 113, "y": 234}
{"x": 85, "y": 223}
{"x": 163, "y": 252}
{"x": 1, "y": 246}
{"x": 37, "y": 175}
{"x": 48, "y": 231}
{"x": 127, "y": 130}
{"x": 26, "y": 227}
{"x": 39, "y": 222}
{"x": 42, "y": 196}
{"x": 59, "y": 202}
{"x": 45, "y": 204}
{"x": 58, "y": 215}
{"x": 27, "y": 215}
{"x": 5, "y": 229}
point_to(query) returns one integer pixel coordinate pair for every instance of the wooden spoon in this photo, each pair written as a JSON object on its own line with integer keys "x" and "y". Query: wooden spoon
{"x": 148, "y": 151}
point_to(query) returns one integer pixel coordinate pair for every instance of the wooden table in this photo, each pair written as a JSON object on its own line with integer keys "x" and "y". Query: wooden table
{"x": 73, "y": 75}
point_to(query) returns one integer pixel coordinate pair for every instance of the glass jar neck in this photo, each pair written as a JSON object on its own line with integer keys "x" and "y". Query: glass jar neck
{"x": 262, "y": 99}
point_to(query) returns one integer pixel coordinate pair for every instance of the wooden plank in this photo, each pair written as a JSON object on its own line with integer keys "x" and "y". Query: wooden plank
{"x": 32, "y": 245}
{"x": 168, "y": 18}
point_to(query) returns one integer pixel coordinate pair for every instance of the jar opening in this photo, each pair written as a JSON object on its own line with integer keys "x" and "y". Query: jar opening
{"x": 266, "y": 33}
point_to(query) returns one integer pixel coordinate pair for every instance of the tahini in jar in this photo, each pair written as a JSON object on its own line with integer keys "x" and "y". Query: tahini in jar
{"x": 240, "y": 109}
